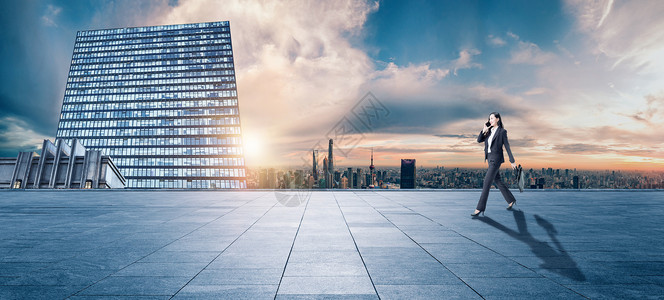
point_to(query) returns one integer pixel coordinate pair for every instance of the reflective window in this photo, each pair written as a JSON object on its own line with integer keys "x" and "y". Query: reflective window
{"x": 161, "y": 101}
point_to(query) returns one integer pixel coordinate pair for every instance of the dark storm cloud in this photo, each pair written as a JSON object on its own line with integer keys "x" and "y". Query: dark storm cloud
{"x": 442, "y": 149}
{"x": 460, "y": 136}
{"x": 34, "y": 56}
{"x": 581, "y": 149}
{"x": 426, "y": 116}
{"x": 524, "y": 142}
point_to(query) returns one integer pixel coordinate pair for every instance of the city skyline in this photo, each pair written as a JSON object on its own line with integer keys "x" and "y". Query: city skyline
{"x": 576, "y": 82}
{"x": 443, "y": 177}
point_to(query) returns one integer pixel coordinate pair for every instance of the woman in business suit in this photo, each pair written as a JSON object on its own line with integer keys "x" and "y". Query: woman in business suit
{"x": 494, "y": 137}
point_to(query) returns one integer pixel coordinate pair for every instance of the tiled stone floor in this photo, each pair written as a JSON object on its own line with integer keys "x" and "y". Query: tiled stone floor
{"x": 331, "y": 245}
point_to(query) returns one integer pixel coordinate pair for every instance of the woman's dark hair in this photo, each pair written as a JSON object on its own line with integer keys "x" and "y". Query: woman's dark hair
{"x": 500, "y": 120}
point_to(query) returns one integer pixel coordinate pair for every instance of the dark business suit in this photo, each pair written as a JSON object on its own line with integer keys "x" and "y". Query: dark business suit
{"x": 495, "y": 159}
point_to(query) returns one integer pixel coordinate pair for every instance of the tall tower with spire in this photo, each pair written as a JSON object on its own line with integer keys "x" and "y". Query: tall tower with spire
{"x": 372, "y": 169}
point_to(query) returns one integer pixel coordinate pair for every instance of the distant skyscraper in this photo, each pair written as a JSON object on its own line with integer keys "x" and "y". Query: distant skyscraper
{"x": 161, "y": 101}
{"x": 575, "y": 182}
{"x": 358, "y": 179}
{"x": 330, "y": 167}
{"x": 407, "y": 173}
{"x": 314, "y": 172}
{"x": 271, "y": 178}
{"x": 310, "y": 182}
{"x": 326, "y": 171}
{"x": 262, "y": 179}
{"x": 350, "y": 178}
{"x": 299, "y": 174}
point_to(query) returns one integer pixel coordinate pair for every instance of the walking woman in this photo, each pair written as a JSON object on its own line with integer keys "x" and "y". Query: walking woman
{"x": 494, "y": 137}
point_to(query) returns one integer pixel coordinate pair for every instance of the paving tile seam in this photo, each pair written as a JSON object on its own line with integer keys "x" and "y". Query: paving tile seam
{"x": 425, "y": 250}
{"x": 229, "y": 245}
{"x": 480, "y": 244}
{"x": 247, "y": 202}
{"x": 304, "y": 211}
{"x": 102, "y": 246}
{"x": 355, "y": 243}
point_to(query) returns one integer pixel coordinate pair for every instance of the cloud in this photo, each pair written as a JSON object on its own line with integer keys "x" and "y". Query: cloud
{"x": 630, "y": 33}
{"x": 442, "y": 149}
{"x": 16, "y": 134}
{"x": 465, "y": 60}
{"x": 590, "y": 14}
{"x": 536, "y": 91}
{"x": 52, "y": 12}
{"x": 33, "y": 77}
{"x": 409, "y": 78}
{"x": 580, "y": 148}
{"x": 495, "y": 41}
{"x": 459, "y": 136}
{"x": 297, "y": 71}
{"x": 524, "y": 142}
{"x": 654, "y": 106}
{"x": 530, "y": 53}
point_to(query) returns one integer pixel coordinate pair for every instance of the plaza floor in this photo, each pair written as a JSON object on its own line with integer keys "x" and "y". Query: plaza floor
{"x": 330, "y": 245}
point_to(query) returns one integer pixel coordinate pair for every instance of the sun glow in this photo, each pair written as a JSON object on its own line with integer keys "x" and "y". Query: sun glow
{"x": 253, "y": 148}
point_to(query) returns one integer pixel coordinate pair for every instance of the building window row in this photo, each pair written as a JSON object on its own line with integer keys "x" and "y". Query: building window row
{"x": 150, "y": 96}
{"x": 153, "y": 29}
{"x": 113, "y": 40}
{"x": 181, "y": 172}
{"x": 178, "y": 162}
{"x": 154, "y": 141}
{"x": 148, "y": 76}
{"x": 150, "y": 57}
{"x": 152, "y": 51}
{"x": 143, "y": 132}
{"x": 225, "y": 41}
{"x": 134, "y": 64}
{"x": 184, "y": 82}
{"x": 186, "y": 184}
{"x": 152, "y": 89}
{"x": 212, "y": 121}
{"x": 225, "y": 68}
{"x": 149, "y": 113}
{"x": 119, "y": 151}
{"x": 148, "y": 105}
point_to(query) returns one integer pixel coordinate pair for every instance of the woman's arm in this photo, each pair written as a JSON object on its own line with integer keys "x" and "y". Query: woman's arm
{"x": 481, "y": 137}
{"x": 507, "y": 146}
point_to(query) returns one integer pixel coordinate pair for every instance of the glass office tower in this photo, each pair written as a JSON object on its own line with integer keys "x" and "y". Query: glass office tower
{"x": 161, "y": 101}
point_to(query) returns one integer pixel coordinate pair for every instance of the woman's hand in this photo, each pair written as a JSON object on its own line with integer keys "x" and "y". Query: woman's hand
{"x": 485, "y": 129}
{"x": 514, "y": 165}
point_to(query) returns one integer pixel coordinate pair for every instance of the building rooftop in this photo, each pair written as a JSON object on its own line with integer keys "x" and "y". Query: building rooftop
{"x": 342, "y": 244}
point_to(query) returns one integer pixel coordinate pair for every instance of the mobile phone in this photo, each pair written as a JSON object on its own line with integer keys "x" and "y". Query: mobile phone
{"x": 488, "y": 124}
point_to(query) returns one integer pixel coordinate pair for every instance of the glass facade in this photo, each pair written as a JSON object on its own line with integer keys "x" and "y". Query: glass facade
{"x": 161, "y": 101}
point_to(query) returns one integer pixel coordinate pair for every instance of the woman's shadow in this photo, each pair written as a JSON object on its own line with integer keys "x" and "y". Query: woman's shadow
{"x": 554, "y": 259}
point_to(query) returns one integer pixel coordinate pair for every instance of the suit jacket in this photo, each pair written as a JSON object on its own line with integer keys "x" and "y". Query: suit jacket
{"x": 499, "y": 139}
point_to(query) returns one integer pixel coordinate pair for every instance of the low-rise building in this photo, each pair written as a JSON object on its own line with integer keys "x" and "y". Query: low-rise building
{"x": 60, "y": 166}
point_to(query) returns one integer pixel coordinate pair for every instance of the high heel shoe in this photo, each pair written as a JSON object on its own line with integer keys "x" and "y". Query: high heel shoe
{"x": 509, "y": 207}
{"x": 477, "y": 213}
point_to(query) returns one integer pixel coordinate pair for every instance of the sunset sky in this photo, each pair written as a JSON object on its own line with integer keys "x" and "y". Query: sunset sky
{"x": 580, "y": 84}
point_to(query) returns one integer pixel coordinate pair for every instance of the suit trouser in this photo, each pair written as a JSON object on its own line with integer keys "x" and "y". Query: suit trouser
{"x": 493, "y": 176}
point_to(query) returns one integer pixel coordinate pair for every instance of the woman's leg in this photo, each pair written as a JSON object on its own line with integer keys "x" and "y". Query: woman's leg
{"x": 503, "y": 189}
{"x": 488, "y": 180}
